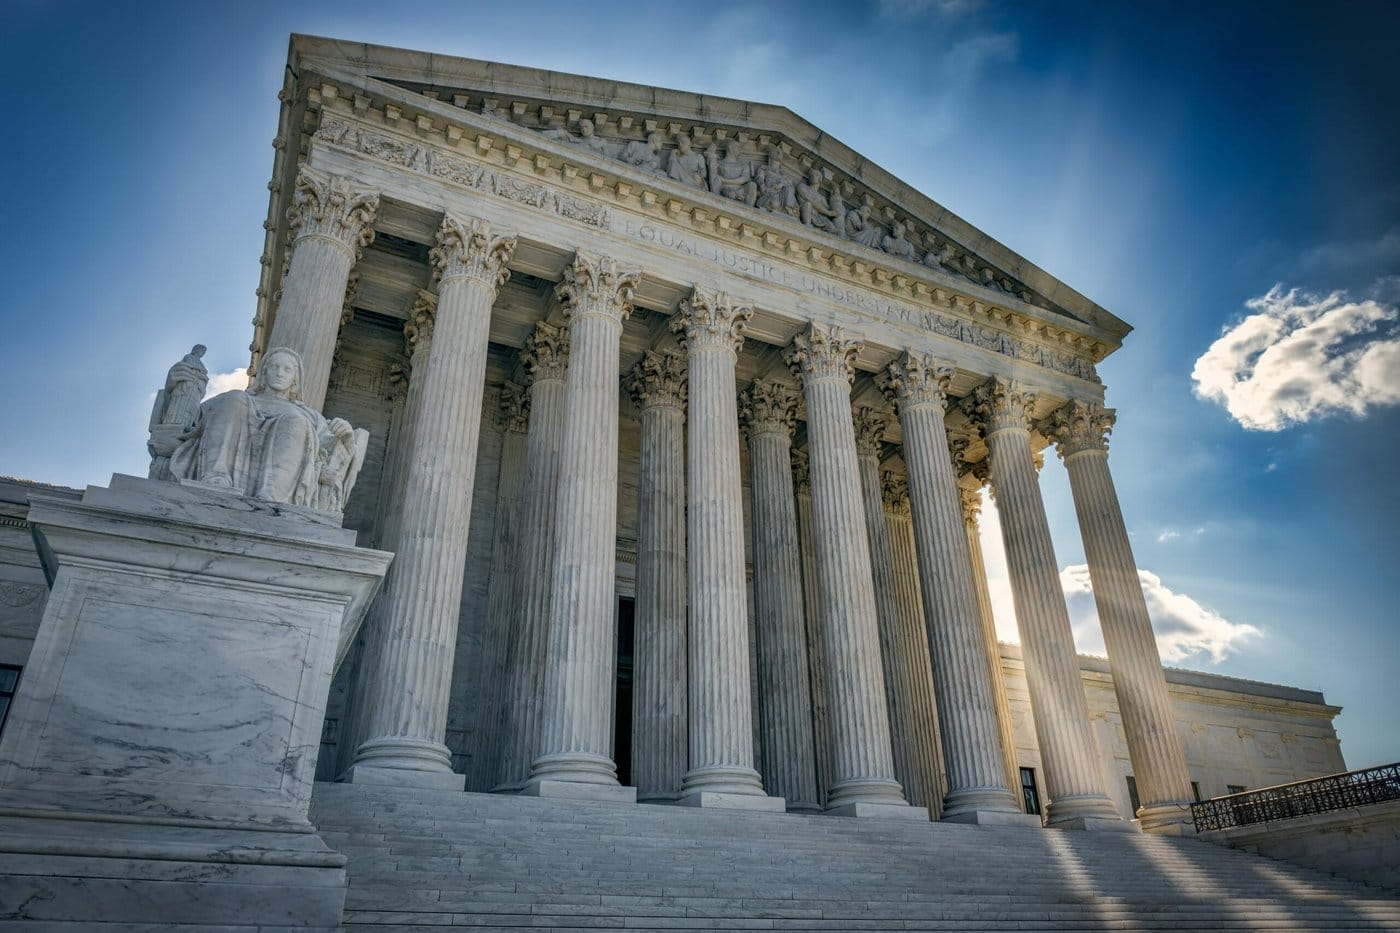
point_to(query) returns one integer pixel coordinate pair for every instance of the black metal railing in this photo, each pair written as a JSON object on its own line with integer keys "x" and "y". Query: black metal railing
{"x": 1334, "y": 792}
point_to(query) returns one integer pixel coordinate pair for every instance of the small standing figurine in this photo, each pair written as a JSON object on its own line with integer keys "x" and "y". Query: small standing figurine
{"x": 175, "y": 408}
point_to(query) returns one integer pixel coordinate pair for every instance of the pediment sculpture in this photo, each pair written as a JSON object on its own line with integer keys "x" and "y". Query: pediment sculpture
{"x": 262, "y": 441}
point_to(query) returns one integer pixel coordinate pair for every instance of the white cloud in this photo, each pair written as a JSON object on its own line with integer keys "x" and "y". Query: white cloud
{"x": 227, "y": 382}
{"x": 1185, "y": 629}
{"x": 1168, "y": 534}
{"x": 903, "y": 9}
{"x": 1299, "y": 356}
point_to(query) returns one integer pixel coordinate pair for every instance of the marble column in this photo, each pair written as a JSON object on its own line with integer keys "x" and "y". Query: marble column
{"x": 863, "y": 781}
{"x": 575, "y": 752}
{"x": 1080, "y": 431}
{"x": 659, "y": 692}
{"x": 915, "y": 720}
{"x": 418, "y": 338}
{"x": 331, "y": 221}
{"x": 1073, "y": 777}
{"x": 811, "y": 618}
{"x": 977, "y": 791}
{"x": 911, "y": 729}
{"x": 514, "y": 418}
{"x": 407, "y": 712}
{"x": 545, "y": 358}
{"x": 769, "y": 413}
{"x": 972, "y": 507}
{"x": 722, "y": 773}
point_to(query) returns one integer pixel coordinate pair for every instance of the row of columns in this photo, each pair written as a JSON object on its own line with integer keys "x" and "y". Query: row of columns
{"x": 870, "y": 608}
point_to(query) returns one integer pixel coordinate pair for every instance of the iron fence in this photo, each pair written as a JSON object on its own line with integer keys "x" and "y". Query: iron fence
{"x": 1334, "y": 792}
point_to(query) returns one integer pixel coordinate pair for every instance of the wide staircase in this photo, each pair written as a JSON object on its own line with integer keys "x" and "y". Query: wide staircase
{"x": 422, "y": 860}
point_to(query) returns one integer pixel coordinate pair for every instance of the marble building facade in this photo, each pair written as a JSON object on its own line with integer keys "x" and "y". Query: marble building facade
{"x": 679, "y": 413}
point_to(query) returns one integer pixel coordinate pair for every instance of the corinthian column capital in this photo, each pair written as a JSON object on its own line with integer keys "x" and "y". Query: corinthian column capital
{"x": 1002, "y": 404}
{"x": 894, "y": 491}
{"x": 465, "y": 247}
{"x": 768, "y": 407}
{"x": 917, "y": 379}
{"x": 597, "y": 285}
{"x": 546, "y": 354}
{"x": 1079, "y": 426}
{"x": 515, "y": 408}
{"x": 418, "y": 331}
{"x": 823, "y": 352}
{"x": 802, "y": 471}
{"x": 331, "y": 207}
{"x": 658, "y": 380}
{"x": 711, "y": 320}
{"x": 870, "y": 424}
{"x": 971, "y": 504}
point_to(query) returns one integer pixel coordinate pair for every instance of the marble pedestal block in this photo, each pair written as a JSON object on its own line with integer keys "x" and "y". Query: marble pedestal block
{"x": 158, "y": 761}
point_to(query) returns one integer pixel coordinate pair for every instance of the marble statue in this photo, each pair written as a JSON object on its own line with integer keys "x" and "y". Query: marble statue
{"x": 896, "y": 245}
{"x": 175, "y": 409}
{"x": 585, "y": 140}
{"x": 813, "y": 207}
{"x": 776, "y": 188}
{"x": 861, "y": 228}
{"x": 732, "y": 176}
{"x": 266, "y": 443}
{"x": 645, "y": 154}
{"x": 686, "y": 165}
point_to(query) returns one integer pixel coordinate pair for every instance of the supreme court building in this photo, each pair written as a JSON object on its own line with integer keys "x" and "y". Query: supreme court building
{"x": 680, "y": 413}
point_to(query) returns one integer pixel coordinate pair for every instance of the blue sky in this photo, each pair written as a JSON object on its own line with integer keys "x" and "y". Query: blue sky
{"x": 1174, "y": 162}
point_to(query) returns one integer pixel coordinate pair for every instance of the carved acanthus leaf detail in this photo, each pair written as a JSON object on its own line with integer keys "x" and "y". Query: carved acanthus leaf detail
{"x": 418, "y": 332}
{"x": 597, "y": 285}
{"x": 894, "y": 490}
{"x": 658, "y": 380}
{"x": 711, "y": 319}
{"x": 1000, "y": 404}
{"x": 871, "y": 425}
{"x": 1079, "y": 426}
{"x": 330, "y": 206}
{"x": 823, "y": 351}
{"x": 465, "y": 247}
{"x": 769, "y": 407}
{"x": 515, "y": 408}
{"x": 546, "y": 353}
{"x": 917, "y": 379}
{"x": 802, "y": 470}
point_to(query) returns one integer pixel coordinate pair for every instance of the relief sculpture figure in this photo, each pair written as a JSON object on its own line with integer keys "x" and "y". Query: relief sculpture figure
{"x": 896, "y": 245}
{"x": 776, "y": 188}
{"x": 266, "y": 443}
{"x": 687, "y": 166}
{"x": 175, "y": 409}
{"x": 732, "y": 176}
{"x": 813, "y": 207}
{"x": 645, "y": 154}
{"x": 860, "y": 228}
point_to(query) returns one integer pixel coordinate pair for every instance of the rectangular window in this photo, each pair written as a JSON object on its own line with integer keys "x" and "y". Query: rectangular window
{"x": 1234, "y": 788}
{"x": 1196, "y": 790}
{"x": 1133, "y": 795}
{"x": 9, "y": 680}
{"x": 1030, "y": 799}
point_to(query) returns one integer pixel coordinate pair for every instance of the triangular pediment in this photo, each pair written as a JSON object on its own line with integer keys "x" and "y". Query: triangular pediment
{"x": 739, "y": 156}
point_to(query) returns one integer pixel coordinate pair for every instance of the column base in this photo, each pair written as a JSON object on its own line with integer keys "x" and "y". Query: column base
{"x": 404, "y": 777}
{"x": 1084, "y": 811}
{"x": 1094, "y": 824}
{"x": 882, "y": 792}
{"x": 577, "y": 790}
{"x": 804, "y": 809}
{"x": 720, "y": 801}
{"x": 879, "y": 811}
{"x": 993, "y": 818}
{"x": 1169, "y": 819}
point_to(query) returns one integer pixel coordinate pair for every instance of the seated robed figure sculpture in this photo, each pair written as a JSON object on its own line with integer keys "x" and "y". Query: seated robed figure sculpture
{"x": 266, "y": 443}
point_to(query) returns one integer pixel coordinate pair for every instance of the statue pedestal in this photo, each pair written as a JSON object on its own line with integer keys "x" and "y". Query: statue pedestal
{"x": 158, "y": 760}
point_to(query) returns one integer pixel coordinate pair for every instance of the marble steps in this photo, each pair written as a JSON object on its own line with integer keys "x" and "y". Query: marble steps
{"x": 428, "y": 860}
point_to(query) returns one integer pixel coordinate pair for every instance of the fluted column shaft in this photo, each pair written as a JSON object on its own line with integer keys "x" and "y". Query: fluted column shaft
{"x": 659, "y": 663}
{"x": 576, "y": 738}
{"x": 331, "y": 221}
{"x": 407, "y": 716}
{"x": 500, "y": 602}
{"x": 785, "y": 703}
{"x": 816, "y": 665}
{"x": 1073, "y": 777}
{"x": 862, "y": 760}
{"x": 914, "y": 712}
{"x": 545, "y": 360}
{"x": 721, "y": 706}
{"x": 1154, "y": 744}
{"x": 971, "y": 742}
{"x": 972, "y": 502}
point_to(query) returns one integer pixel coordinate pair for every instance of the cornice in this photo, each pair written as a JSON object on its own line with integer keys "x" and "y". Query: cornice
{"x": 511, "y": 161}
{"x": 518, "y": 92}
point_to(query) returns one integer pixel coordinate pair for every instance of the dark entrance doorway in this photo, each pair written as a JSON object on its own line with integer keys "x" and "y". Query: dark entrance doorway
{"x": 622, "y": 698}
